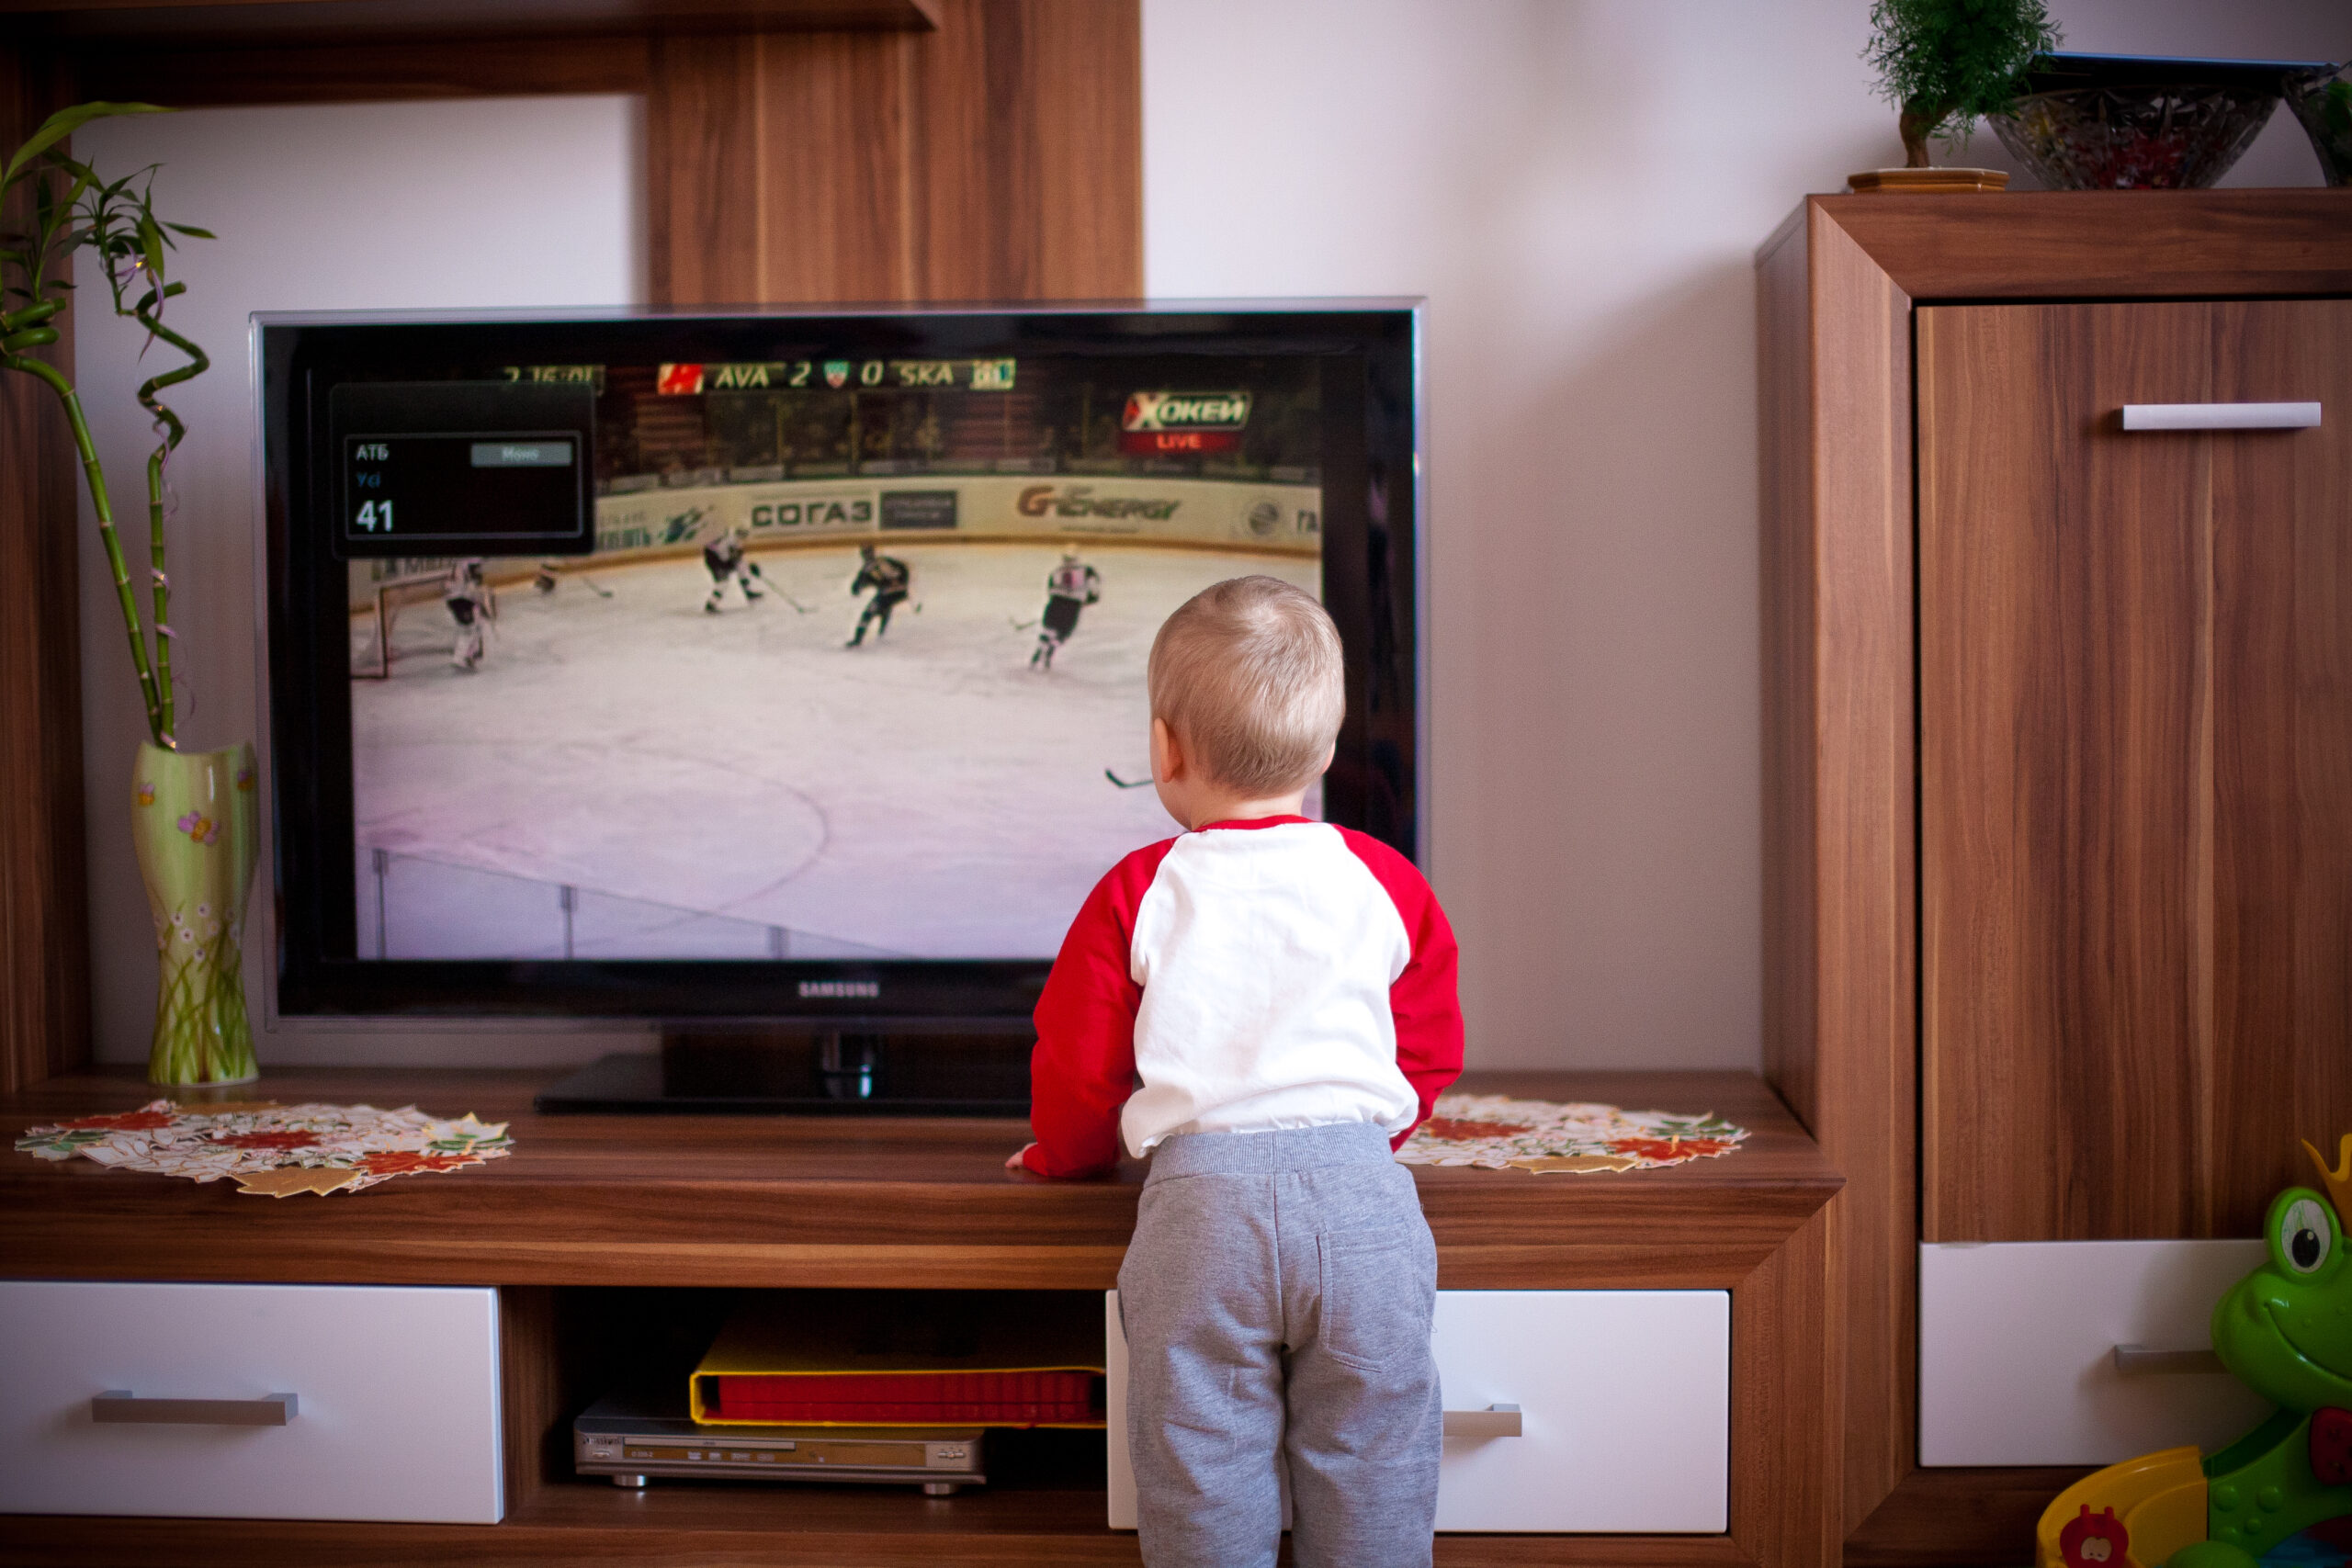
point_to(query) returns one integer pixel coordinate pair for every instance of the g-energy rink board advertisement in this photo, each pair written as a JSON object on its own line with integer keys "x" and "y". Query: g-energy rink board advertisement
{"x": 854, "y": 668}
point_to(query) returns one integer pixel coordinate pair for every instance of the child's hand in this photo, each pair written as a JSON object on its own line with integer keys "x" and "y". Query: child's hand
{"x": 1020, "y": 1159}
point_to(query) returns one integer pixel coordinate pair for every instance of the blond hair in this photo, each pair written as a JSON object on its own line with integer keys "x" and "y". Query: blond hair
{"x": 1248, "y": 673}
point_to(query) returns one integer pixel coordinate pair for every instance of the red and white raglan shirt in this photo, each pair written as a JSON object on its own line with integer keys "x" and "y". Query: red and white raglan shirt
{"x": 1254, "y": 976}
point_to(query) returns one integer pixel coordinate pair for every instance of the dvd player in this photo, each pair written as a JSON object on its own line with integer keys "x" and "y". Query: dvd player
{"x": 634, "y": 1438}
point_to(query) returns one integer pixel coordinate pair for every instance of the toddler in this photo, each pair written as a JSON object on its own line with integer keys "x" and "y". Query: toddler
{"x": 1284, "y": 989}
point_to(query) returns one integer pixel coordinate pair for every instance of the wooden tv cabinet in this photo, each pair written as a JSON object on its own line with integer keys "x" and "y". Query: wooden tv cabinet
{"x": 743, "y": 1201}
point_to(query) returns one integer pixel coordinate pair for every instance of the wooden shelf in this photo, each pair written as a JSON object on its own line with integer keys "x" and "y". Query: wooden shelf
{"x": 586, "y": 1203}
{"x": 113, "y": 24}
{"x": 848, "y": 1202}
{"x": 754, "y": 1527}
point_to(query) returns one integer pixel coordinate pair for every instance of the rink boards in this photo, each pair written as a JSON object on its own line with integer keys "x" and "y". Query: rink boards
{"x": 1179, "y": 512}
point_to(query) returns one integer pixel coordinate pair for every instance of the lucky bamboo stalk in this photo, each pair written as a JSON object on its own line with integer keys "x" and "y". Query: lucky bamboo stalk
{"x": 116, "y": 220}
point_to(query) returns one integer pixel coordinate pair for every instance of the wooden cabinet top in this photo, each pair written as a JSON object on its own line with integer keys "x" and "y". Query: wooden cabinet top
{"x": 2091, "y": 243}
{"x": 845, "y": 1201}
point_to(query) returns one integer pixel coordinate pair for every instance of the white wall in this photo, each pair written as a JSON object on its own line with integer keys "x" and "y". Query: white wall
{"x": 1577, "y": 186}
{"x": 512, "y": 202}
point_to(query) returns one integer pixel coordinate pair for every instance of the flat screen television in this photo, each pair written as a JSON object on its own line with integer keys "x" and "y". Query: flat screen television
{"x": 785, "y": 668}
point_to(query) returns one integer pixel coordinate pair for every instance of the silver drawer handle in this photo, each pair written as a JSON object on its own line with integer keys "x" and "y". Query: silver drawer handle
{"x": 121, "y": 1404}
{"x": 2221, "y": 416}
{"x": 1494, "y": 1421}
{"x": 2133, "y": 1360}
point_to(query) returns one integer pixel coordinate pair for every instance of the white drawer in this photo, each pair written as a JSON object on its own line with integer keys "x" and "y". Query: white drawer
{"x": 395, "y": 1412}
{"x": 1625, "y": 1409}
{"x": 2017, "y": 1351}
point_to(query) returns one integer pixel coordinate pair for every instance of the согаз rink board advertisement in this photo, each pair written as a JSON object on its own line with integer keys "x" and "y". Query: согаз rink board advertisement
{"x": 853, "y": 672}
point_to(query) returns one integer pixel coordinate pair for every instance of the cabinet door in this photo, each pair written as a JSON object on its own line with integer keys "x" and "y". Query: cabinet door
{"x": 2135, "y": 711}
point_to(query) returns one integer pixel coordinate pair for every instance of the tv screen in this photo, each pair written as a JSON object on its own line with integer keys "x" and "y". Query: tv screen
{"x": 784, "y": 665}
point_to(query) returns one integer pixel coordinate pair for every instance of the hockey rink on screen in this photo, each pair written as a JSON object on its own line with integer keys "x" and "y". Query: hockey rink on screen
{"x": 629, "y": 776}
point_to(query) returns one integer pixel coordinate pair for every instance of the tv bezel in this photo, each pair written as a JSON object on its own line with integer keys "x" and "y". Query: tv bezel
{"x": 306, "y": 986}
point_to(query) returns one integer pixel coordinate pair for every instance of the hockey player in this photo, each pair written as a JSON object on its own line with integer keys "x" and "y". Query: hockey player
{"x": 1070, "y": 588}
{"x": 891, "y": 580}
{"x": 467, "y": 598}
{"x": 724, "y": 556}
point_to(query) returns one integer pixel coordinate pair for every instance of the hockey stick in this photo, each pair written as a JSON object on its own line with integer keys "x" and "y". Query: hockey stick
{"x": 754, "y": 569}
{"x": 598, "y": 589}
{"x": 1121, "y": 783}
{"x": 1019, "y": 625}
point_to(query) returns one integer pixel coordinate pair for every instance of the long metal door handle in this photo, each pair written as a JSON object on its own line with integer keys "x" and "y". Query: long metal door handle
{"x": 2132, "y": 1359}
{"x": 2221, "y": 416}
{"x": 1495, "y": 1421}
{"x": 120, "y": 1404}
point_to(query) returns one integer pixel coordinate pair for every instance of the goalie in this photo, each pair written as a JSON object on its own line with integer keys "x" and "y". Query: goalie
{"x": 467, "y": 598}
{"x": 1070, "y": 588}
{"x": 724, "y": 556}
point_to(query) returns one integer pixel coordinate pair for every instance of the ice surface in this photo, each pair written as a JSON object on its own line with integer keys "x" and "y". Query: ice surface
{"x": 738, "y": 785}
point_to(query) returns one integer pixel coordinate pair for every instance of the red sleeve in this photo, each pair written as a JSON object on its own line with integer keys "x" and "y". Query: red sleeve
{"x": 1084, "y": 1065}
{"x": 1423, "y": 999}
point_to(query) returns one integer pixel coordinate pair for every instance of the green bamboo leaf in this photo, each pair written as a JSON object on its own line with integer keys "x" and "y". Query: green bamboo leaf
{"x": 192, "y": 232}
{"x": 151, "y": 243}
{"x": 62, "y": 124}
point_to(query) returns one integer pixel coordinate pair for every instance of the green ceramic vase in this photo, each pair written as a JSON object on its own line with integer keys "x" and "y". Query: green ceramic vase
{"x": 195, "y": 823}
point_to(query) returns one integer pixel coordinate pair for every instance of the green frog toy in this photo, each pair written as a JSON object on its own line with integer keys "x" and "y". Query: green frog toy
{"x": 2285, "y": 1331}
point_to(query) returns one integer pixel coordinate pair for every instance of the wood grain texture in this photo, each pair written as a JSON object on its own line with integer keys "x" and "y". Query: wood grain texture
{"x": 96, "y": 26}
{"x": 1786, "y": 583}
{"x": 2135, "y": 744}
{"x": 2101, "y": 245}
{"x": 2281, "y": 993}
{"x": 384, "y": 72}
{"x": 1958, "y": 1518}
{"x": 1860, "y": 896}
{"x": 997, "y": 157}
{"x": 2066, "y": 672}
{"x": 537, "y": 1439}
{"x": 44, "y": 900}
{"x": 777, "y": 1201}
{"x": 703, "y": 172}
{"x": 684, "y": 1525}
{"x": 1788, "y": 1412}
{"x": 1029, "y": 137}
{"x": 838, "y": 171}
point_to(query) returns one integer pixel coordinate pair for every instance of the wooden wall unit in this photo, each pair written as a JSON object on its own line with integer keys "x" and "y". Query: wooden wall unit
{"x": 1840, "y": 286}
{"x": 713, "y": 1203}
{"x": 44, "y": 906}
{"x": 998, "y": 158}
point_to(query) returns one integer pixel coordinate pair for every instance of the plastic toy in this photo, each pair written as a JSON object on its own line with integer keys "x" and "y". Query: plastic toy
{"x": 2285, "y": 1331}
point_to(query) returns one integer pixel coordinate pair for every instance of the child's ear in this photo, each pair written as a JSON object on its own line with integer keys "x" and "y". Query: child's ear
{"x": 1167, "y": 757}
{"x": 1325, "y": 765}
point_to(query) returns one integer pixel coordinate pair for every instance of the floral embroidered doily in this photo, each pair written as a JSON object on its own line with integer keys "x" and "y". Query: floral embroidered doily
{"x": 1538, "y": 1135}
{"x": 271, "y": 1149}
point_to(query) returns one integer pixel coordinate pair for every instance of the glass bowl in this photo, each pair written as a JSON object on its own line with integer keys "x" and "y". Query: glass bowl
{"x": 2322, "y": 99}
{"x": 2126, "y": 123}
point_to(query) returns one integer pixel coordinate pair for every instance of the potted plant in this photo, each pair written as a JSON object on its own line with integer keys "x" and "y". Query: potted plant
{"x": 1944, "y": 64}
{"x": 194, "y": 819}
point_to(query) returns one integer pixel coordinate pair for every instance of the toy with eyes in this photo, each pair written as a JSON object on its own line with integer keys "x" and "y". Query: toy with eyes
{"x": 2285, "y": 1331}
{"x": 2094, "y": 1541}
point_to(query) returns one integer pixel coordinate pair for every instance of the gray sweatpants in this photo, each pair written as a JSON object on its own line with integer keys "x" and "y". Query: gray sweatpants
{"x": 1276, "y": 1300}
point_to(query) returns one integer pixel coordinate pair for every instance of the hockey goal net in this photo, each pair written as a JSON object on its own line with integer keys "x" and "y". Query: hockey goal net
{"x": 403, "y": 620}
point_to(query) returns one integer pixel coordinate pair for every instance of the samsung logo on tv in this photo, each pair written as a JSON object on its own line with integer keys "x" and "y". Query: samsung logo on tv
{"x": 841, "y": 987}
